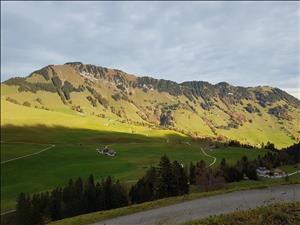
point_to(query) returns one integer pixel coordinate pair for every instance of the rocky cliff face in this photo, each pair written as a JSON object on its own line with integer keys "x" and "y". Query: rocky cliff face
{"x": 194, "y": 107}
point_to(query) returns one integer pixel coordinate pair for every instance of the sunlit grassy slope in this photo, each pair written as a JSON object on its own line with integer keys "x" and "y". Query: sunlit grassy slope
{"x": 144, "y": 107}
{"x": 26, "y": 116}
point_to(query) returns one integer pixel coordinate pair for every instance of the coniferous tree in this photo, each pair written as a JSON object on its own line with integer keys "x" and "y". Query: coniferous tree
{"x": 79, "y": 203}
{"x": 36, "y": 213}
{"x": 143, "y": 190}
{"x": 23, "y": 209}
{"x": 44, "y": 206}
{"x": 223, "y": 164}
{"x": 100, "y": 198}
{"x": 119, "y": 196}
{"x": 140, "y": 192}
{"x": 67, "y": 198}
{"x": 251, "y": 171}
{"x": 165, "y": 181}
{"x": 192, "y": 173}
{"x": 107, "y": 189}
{"x": 90, "y": 194}
{"x": 55, "y": 204}
{"x": 181, "y": 179}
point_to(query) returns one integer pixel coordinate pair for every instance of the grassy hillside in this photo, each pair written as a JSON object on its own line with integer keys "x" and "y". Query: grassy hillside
{"x": 76, "y": 138}
{"x": 68, "y": 159}
{"x": 249, "y": 115}
{"x": 278, "y": 214}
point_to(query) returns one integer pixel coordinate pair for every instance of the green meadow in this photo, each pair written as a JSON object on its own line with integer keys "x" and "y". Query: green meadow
{"x": 74, "y": 155}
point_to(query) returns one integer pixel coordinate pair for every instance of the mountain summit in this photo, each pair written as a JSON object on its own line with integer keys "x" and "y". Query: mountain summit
{"x": 251, "y": 115}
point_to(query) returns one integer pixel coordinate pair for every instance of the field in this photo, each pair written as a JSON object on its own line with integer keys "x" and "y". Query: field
{"x": 76, "y": 138}
{"x": 74, "y": 155}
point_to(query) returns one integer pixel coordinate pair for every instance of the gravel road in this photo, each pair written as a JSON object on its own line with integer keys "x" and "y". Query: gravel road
{"x": 213, "y": 205}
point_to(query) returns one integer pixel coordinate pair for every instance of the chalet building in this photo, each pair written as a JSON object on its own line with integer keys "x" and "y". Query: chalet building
{"x": 106, "y": 151}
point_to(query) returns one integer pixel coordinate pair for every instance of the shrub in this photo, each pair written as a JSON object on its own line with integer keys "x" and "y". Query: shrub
{"x": 12, "y": 100}
{"x": 92, "y": 101}
{"x": 39, "y": 101}
{"x": 116, "y": 97}
{"x": 26, "y": 104}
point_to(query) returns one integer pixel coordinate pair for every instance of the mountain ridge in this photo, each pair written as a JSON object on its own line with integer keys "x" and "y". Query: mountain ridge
{"x": 222, "y": 83}
{"x": 219, "y": 110}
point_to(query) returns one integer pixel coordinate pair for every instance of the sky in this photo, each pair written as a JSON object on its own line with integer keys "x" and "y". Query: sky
{"x": 242, "y": 43}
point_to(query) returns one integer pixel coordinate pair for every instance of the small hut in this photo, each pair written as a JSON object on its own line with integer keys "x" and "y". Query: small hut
{"x": 106, "y": 151}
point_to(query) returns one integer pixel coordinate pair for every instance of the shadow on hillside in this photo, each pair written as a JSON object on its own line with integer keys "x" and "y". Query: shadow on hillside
{"x": 60, "y": 134}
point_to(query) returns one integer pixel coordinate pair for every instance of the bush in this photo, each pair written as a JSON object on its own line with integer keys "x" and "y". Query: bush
{"x": 92, "y": 101}
{"x": 12, "y": 100}
{"x": 26, "y": 104}
{"x": 116, "y": 97}
{"x": 39, "y": 101}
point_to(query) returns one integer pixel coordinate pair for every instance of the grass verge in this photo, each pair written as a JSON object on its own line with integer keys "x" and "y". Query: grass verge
{"x": 277, "y": 214}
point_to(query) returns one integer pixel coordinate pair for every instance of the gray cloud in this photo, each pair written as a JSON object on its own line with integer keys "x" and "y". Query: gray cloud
{"x": 243, "y": 43}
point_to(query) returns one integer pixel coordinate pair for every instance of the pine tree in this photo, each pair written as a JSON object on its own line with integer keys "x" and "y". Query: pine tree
{"x": 55, "y": 204}
{"x": 36, "y": 210}
{"x": 119, "y": 196}
{"x": 181, "y": 179}
{"x": 67, "y": 197}
{"x": 23, "y": 209}
{"x": 143, "y": 190}
{"x": 79, "y": 206}
{"x": 223, "y": 164}
{"x": 165, "y": 181}
{"x": 107, "y": 189}
{"x": 90, "y": 194}
{"x": 44, "y": 206}
{"x": 100, "y": 198}
{"x": 251, "y": 171}
{"x": 192, "y": 173}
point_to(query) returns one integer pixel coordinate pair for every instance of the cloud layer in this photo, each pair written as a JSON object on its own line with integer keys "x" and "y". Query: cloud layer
{"x": 243, "y": 43}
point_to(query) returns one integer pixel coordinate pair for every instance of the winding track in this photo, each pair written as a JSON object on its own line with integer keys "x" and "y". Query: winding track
{"x": 207, "y": 206}
{"x": 214, "y": 158}
{"x": 24, "y": 156}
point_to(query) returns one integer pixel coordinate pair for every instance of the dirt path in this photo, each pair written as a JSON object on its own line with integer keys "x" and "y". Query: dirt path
{"x": 7, "y": 212}
{"x": 24, "y": 156}
{"x": 207, "y": 206}
{"x": 214, "y": 158}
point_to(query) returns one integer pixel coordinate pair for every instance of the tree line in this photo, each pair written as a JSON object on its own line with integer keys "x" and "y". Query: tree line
{"x": 211, "y": 178}
{"x": 168, "y": 179}
{"x": 80, "y": 197}
{"x": 73, "y": 199}
{"x": 275, "y": 158}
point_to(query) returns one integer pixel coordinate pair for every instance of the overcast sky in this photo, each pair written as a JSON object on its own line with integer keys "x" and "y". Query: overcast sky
{"x": 242, "y": 43}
